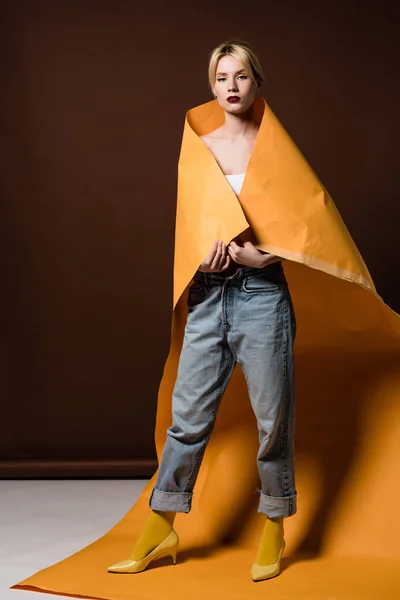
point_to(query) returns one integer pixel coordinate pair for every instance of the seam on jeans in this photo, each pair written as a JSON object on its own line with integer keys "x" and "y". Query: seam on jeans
{"x": 220, "y": 392}
{"x": 285, "y": 343}
{"x": 230, "y": 304}
{"x": 290, "y": 390}
{"x": 285, "y": 485}
{"x": 293, "y": 321}
{"x": 283, "y": 436}
{"x": 223, "y": 315}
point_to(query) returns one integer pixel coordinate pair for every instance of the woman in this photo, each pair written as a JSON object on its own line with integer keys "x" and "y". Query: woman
{"x": 239, "y": 311}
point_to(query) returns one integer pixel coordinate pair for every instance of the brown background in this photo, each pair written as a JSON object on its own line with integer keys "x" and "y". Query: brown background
{"x": 93, "y": 96}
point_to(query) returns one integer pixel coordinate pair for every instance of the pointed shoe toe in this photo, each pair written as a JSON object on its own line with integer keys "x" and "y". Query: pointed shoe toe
{"x": 122, "y": 567}
{"x": 168, "y": 547}
{"x": 261, "y": 572}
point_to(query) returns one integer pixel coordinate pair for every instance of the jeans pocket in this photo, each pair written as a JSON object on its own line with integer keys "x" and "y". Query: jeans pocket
{"x": 197, "y": 291}
{"x": 259, "y": 284}
{"x": 197, "y": 286}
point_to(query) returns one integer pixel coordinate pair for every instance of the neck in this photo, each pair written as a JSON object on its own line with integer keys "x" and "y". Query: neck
{"x": 237, "y": 126}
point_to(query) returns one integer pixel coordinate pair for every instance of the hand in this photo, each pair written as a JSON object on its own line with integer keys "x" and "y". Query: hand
{"x": 249, "y": 256}
{"x": 216, "y": 260}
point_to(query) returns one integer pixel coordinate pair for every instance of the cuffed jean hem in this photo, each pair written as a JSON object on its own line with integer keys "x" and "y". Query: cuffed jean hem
{"x": 171, "y": 501}
{"x": 278, "y": 506}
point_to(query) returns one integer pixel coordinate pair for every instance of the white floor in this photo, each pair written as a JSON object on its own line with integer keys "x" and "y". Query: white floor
{"x": 42, "y": 522}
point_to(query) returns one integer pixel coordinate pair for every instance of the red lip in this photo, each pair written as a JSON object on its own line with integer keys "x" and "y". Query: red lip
{"x": 233, "y": 99}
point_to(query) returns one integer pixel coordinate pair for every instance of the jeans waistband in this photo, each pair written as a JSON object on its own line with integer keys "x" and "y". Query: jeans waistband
{"x": 240, "y": 273}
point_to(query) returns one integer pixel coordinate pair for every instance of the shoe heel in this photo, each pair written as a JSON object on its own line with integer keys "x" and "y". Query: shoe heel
{"x": 173, "y": 555}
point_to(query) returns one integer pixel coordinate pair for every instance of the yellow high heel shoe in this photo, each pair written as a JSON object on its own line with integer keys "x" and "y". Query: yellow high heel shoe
{"x": 260, "y": 572}
{"x": 168, "y": 547}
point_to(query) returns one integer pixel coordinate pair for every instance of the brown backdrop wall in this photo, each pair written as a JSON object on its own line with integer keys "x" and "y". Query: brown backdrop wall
{"x": 93, "y": 101}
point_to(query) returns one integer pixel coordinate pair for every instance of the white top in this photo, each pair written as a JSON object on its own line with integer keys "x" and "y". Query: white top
{"x": 236, "y": 182}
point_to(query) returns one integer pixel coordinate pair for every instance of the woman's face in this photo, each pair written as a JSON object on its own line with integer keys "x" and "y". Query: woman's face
{"x": 233, "y": 88}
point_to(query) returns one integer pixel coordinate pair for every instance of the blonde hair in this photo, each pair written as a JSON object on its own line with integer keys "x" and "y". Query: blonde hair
{"x": 240, "y": 50}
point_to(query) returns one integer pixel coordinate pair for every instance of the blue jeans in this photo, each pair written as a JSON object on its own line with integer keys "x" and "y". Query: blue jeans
{"x": 245, "y": 318}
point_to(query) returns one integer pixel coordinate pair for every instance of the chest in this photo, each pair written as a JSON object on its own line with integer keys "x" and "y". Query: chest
{"x": 232, "y": 156}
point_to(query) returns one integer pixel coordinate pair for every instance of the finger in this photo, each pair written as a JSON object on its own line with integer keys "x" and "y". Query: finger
{"x": 210, "y": 256}
{"x": 217, "y": 257}
{"x": 223, "y": 256}
{"x": 227, "y": 263}
{"x": 214, "y": 247}
{"x": 207, "y": 262}
{"x": 233, "y": 256}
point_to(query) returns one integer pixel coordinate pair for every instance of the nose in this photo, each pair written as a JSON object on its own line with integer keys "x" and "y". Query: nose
{"x": 232, "y": 86}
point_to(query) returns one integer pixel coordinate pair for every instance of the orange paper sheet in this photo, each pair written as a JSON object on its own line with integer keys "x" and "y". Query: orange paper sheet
{"x": 344, "y": 541}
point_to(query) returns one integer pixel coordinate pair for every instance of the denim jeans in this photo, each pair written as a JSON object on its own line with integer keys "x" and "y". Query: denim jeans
{"x": 245, "y": 318}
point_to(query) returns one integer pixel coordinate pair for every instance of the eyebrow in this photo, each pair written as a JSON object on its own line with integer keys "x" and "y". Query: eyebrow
{"x": 237, "y": 72}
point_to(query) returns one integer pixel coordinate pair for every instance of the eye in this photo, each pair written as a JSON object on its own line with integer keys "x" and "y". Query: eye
{"x": 221, "y": 78}
{"x": 243, "y": 76}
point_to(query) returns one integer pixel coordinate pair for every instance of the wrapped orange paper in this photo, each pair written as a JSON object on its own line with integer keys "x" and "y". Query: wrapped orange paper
{"x": 344, "y": 541}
